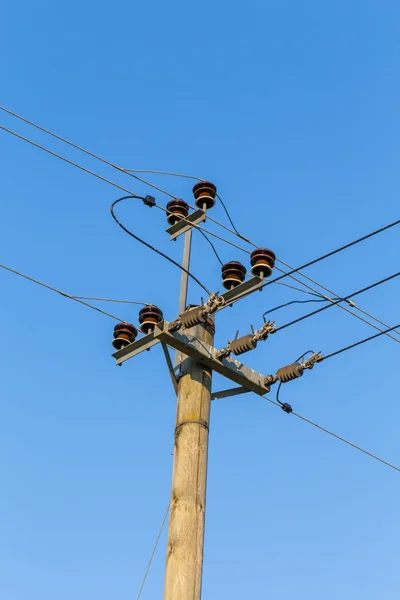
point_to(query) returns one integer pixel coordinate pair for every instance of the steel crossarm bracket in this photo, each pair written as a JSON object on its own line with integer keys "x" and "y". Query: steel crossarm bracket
{"x": 144, "y": 343}
{"x": 249, "y": 286}
{"x": 182, "y": 226}
{"x": 228, "y": 393}
{"x": 207, "y": 355}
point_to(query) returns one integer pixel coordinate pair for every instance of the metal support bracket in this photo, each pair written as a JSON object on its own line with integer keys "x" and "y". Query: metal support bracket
{"x": 170, "y": 366}
{"x": 182, "y": 226}
{"x": 228, "y": 393}
{"x": 144, "y": 343}
{"x": 207, "y": 355}
{"x": 249, "y": 286}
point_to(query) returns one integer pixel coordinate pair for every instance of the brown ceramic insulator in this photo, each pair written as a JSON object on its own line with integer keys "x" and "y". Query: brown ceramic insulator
{"x": 204, "y": 193}
{"x": 262, "y": 262}
{"x": 124, "y": 334}
{"x": 176, "y": 211}
{"x": 233, "y": 274}
{"x": 149, "y": 316}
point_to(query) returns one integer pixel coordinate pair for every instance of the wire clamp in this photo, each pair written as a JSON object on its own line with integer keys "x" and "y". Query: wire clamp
{"x": 149, "y": 201}
{"x": 314, "y": 358}
{"x": 261, "y": 334}
{"x": 286, "y": 408}
{"x": 214, "y": 302}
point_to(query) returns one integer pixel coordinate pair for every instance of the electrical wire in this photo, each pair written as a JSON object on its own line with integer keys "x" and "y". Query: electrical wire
{"x": 71, "y": 162}
{"x": 357, "y": 308}
{"x": 212, "y": 246}
{"x": 171, "y": 195}
{"x": 137, "y": 238}
{"x": 111, "y": 300}
{"x": 103, "y": 160}
{"x": 351, "y": 346}
{"x": 267, "y": 312}
{"x": 361, "y": 291}
{"x": 53, "y": 289}
{"x": 129, "y": 172}
{"x": 336, "y": 251}
{"x": 131, "y": 194}
{"x": 338, "y": 437}
{"x": 345, "y": 308}
{"x": 352, "y": 304}
{"x": 152, "y": 554}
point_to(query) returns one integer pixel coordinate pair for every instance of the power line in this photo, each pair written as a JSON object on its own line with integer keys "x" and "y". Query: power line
{"x": 345, "y": 308}
{"x": 235, "y": 232}
{"x": 111, "y": 300}
{"x": 196, "y": 226}
{"x": 71, "y": 162}
{"x": 103, "y": 160}
{"x": 278, "y": 260}
{"x": 356, "y": 307}
{"x": 53, "y": 289}
{"x": 338, "y": 437}
{"x": 267, "y": 312}
{"x": 336, "y": 251}
{"x": 365, "y": 289}
{"x": 129, "y": 172}
{"x": 152, "y": 554}
{"x": 351, "y": 346}
{"x": 136, "y": 237}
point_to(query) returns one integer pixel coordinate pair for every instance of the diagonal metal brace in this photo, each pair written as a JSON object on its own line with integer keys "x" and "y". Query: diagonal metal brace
{"x": 207, "y": 355}
{"x": 228, "y": 393}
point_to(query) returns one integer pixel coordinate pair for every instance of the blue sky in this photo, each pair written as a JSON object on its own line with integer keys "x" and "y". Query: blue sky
{"x": 291, "y": 108}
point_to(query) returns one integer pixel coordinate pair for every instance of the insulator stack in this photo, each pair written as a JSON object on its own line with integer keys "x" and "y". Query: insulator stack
{"x": 262, "y": 262}
{"x": 289, "y": 372}
{"x": 193, "y": 317}
{"x": 176, "y": 211}
{"x": 124, "y": 334}
{"x": 233, "y": 274}
{"x": 204, "y": 194}
{"x": 243, "y": 344}
{"x": 149, "y": 316}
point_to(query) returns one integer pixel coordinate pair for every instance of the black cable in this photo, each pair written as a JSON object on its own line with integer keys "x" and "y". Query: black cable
{"x": 338, "y": 437}
{"x": 230, "y": 220}
{"x": 212, "y": 246}
{"x": 372, "y": 337}
{"x": 316, "y": 260}
{"x": 137, "y": 238}
{"x": 297, "y": 302}
{"x": 369, "y": 287}
{"x": 53, "y": 289}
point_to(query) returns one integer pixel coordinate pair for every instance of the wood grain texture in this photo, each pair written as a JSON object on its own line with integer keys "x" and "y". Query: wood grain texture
{"x": 188, "y": 498}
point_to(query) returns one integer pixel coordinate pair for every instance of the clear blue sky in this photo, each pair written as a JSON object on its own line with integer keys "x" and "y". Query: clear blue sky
{"x": 291, "y": 108}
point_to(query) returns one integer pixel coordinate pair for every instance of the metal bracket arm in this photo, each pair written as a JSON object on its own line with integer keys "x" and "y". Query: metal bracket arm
{"x": 207, "y": 355}
{"x": 185, "y": 224}
{"x": 144, "y": 343}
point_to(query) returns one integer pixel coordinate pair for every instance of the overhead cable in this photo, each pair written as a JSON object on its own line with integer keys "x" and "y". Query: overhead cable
{"x": 352, "y": 295}
{"x": 351, "y": 346}
{"x": 152, "y": 554}
{"x": 338, "y": 437}
{"x": 142, "y": 241}
{"x": 276, "y": 280}
{"x": 53, "y": 289}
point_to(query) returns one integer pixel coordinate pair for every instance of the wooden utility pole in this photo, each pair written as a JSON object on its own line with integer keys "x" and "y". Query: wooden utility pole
{"x": 184, "y": 564}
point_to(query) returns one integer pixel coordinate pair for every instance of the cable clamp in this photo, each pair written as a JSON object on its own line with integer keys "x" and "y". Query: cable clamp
{"x": 286, "y": 408}
{"x": 149, "y": 201}
{"x": 214, "y": 302}
{"x": 262, "y": 333}
{"x": 314, "y": 358}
